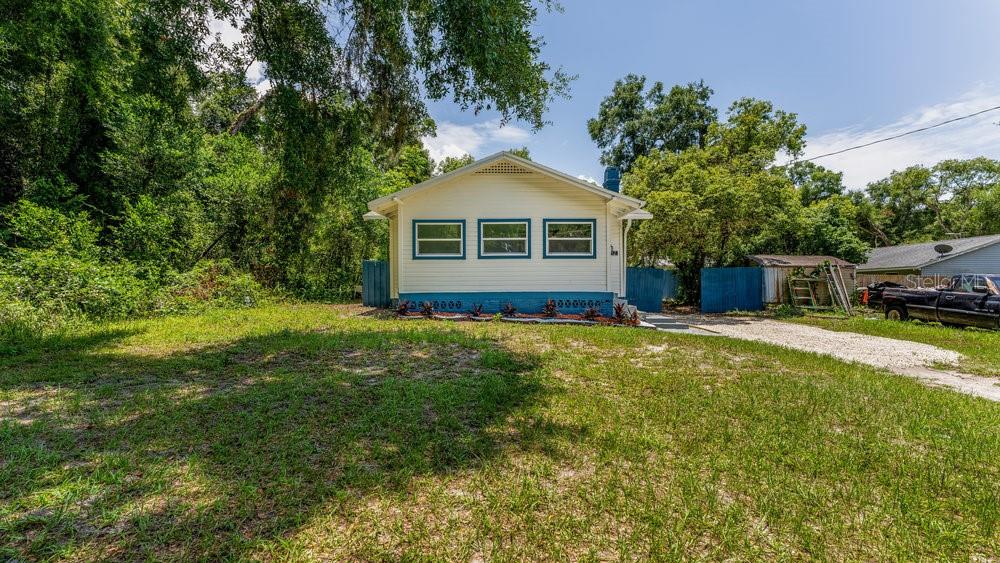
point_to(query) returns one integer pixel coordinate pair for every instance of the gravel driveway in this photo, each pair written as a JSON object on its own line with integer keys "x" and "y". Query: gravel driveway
{"x": 901, "y": 356}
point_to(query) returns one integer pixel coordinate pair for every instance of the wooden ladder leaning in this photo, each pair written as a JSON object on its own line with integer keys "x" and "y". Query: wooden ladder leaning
{"x": 801, "y": 292}
{"x": 838, "y": 288}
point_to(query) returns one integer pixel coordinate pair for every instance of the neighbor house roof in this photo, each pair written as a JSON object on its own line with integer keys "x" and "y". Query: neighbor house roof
{"x": 386, "y": 203}
{"x": 921, "y": 255}
{"x": 795, "y": 261}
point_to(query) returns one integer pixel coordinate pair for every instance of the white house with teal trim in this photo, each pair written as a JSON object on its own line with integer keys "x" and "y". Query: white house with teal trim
{"x": 508, "y": 230}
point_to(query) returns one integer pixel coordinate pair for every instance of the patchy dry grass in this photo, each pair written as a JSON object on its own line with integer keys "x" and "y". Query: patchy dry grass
{"x": 980, "y": 347}
{"x": 308, "y": 432}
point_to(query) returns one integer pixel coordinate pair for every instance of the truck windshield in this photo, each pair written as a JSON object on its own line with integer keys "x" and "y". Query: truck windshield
{"x": 995, "y": 280}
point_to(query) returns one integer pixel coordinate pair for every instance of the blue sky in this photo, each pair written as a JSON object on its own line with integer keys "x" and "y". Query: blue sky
{"x": 852, "y": 70}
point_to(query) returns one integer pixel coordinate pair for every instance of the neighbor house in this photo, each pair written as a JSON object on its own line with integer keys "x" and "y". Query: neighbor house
{"x": 930, "y": 263}
{"x": 508, "y": 230}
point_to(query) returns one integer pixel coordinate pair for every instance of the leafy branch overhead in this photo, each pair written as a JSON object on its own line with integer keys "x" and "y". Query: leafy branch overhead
{"x": 390, "y": 54}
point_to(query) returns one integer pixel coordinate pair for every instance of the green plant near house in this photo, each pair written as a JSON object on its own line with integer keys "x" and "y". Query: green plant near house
{"x": 549, "y": 309}
{"x": 403, "y": 307}
{"x": 427, "y": 309}
{"x": 634, "y": 320}
{"x": 621, "y": 313}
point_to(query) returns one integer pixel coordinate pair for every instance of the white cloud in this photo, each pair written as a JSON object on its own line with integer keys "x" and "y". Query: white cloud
{"x": 976, "y": 136}
{"x": 456, "y": 140}
{"x": 255, "y": 72}
{"x": 226, "y": 33}
{"x": 263, "y": 86}
{"x": 586, "y": 178}
{"x": 229, "y": 35}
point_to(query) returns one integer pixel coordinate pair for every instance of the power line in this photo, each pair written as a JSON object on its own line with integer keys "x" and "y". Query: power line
{"x": 952, "y": 120}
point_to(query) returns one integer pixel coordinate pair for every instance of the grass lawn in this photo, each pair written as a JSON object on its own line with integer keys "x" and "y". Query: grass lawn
{"x": 981, "y": 348}
{"x": 301, "y": 432}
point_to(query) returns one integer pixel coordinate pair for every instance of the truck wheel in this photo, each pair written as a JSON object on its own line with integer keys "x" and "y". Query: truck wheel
{"x": 896, "y": 313}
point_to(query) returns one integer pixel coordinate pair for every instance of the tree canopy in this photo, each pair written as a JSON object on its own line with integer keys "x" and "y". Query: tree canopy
{"x": 632, "y": 122}
{"x": 717, "y": 203}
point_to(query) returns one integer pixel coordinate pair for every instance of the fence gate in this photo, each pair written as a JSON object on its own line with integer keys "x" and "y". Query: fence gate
{"x": 375, "y": 283}
{"x": 646, "y": 288}
{"x": 731, "y": 289}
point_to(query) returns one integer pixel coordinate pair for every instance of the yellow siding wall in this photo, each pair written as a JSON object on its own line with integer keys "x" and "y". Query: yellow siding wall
{"x": 515, "y": 196}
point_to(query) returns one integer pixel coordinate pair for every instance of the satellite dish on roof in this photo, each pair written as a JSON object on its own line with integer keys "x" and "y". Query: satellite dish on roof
{"x": 943, "y": 248}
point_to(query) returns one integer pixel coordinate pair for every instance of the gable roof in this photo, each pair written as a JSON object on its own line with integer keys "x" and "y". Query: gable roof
{"x": 795, "y": 261}
{"x": 921, "y": 255}
{"x": 385, "y": 202}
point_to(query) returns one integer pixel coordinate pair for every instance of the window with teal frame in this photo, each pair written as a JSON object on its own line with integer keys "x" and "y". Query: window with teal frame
{"x": 570, "y": 238}
{"x": 438, "y": 239}
{"x": 505, "y": 238}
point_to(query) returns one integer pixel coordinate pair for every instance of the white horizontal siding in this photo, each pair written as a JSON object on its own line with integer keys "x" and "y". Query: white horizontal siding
{"x": 982, "y": 261}
{"x": 491, "y": 196}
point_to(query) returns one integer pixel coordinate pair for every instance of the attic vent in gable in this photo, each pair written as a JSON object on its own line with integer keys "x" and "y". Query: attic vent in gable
{"x": 503, "y": 167}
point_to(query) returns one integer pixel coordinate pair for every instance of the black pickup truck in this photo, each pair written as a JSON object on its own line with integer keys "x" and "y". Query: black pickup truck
{"x": 969, "y": 299}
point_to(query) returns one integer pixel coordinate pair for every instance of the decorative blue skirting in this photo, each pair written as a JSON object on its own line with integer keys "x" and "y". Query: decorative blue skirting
{"x": 525, "y": 301}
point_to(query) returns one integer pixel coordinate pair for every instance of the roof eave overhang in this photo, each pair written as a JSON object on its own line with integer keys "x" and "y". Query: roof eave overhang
{"x": 637, "y": 215}
{"x": 886, "y": 269}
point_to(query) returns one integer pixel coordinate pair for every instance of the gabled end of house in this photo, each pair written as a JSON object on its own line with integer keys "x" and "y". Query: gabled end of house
{"x": 505, "y": 162}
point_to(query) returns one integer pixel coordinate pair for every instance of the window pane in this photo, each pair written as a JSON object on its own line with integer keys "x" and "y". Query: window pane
{"x": 439, "y": 247}
{"x": 505, "y": 230}
{"x": 570, "y": 230}
{"x": 505, "y": 247}
{"x": 439, "y": 230}
{"x": 557, "y": 246}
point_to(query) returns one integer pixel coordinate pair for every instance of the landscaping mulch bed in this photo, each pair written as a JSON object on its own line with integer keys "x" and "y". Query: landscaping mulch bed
{"x": 561, "y": 318}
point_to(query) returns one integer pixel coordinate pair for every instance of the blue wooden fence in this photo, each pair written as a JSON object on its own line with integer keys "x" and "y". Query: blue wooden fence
{"x": 646, "y": 288}
{"x": 375, "y": 283}
{"x": 731, "y": 289}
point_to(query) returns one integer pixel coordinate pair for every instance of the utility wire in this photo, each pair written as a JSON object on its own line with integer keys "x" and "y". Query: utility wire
{"x": 946, "y": 122}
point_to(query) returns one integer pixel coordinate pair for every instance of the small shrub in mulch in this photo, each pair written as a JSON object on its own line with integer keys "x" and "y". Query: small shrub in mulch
{"x": 427, "y": 309}
{"x": 403, "y": 308}
{"x": 549, "y": 309}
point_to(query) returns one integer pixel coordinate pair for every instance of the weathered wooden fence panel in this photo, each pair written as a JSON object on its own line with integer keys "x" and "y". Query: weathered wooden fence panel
{"x": 731, "y": 289}
{"x": 646, "y": 288}
{"x": 375, "y": 283}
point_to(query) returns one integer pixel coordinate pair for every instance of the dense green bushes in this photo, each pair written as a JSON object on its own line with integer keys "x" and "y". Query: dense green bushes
{"x": 53, "y": 272}
{"x": 74, "y": 286}
{"x": 42, "y": 290}
{"x": 211, "y": 283}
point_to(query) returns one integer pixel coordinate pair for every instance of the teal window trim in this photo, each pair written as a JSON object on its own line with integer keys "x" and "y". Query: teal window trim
{"x": 460, "y": 222}
{"x": 561, "y": 255}
{"x": 526, "y": 222}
